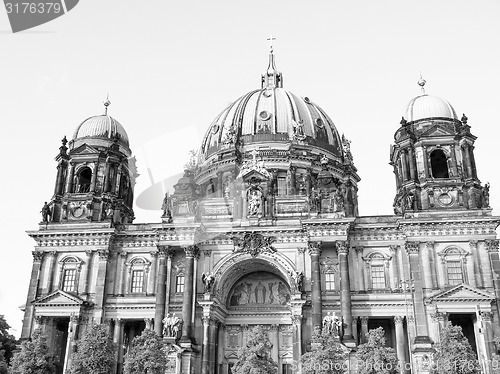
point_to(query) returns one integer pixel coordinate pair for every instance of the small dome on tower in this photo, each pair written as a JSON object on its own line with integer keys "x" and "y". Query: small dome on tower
{"x": 427, "y": 106}
{"x": 103, "y": 127}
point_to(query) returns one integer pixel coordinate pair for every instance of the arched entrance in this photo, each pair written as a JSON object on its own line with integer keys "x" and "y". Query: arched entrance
{"x": 255, "y": 290}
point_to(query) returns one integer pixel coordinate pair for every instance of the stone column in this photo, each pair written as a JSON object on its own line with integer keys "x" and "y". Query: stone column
{"x": 195, "y": 284}
{"x": 300, "y": 260}
{"x": 123, "y": 271}
{"x": 152, "y": 273}
{"x": 404, "y": 166}
{"x": 69, "y": 177}
{"x": 205, "y": 366}
{"x": 489, "y": 338}
{"x": 454, "y": 168}
{"x": 364, "y": 328}
{"x": 94, "y": 176}
{"x": 187, "y": 306}
{"x": 170, "y": 256}
{"x": 70, "y": 342}
{"x": 485, "y": 264}
{"x": 426, "y": 163}
{"x": 160, "y": 289}
{"x": 107, "y": 176}
{"x": 468, "y": 163}
{"x": 345, "y": 290}
{"x": 220, "y": 192}
{"x": 361, "y": 268}
{"x": 395, "y": 266}
{"x": 212, "y": 344}
{"x": 478, "y": 276}
{"x": 52, "y": 257}
{"x": 116, "y": 185}
{"x": 58, "y": 185}
{"x": 317, "y": 313}
{"x": 492, "y": 248}
{"x": 88, "y": 267}
{"x": 400, "y": 340}
{"x": 355, "y": 329}
{"x": 100, "y": 286}
{"x": 274, "y": 341}
{"x": 411, "y": 157}
{"x": 297, "y": 340}
{"x": 425, "y": 262}
{"x": 118, "y": 340}
{"x": 293, "y": 182}
{"x": 422, "y": 331}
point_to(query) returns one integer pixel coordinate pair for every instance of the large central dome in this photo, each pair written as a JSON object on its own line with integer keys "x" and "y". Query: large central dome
{"x": 271, "y": 114}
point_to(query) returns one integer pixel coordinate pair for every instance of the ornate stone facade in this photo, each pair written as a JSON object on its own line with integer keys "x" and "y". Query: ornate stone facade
{"x": 272, "y": 206}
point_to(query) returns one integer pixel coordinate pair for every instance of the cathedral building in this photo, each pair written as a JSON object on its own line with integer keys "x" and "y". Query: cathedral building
{"x": 263, "y": 229}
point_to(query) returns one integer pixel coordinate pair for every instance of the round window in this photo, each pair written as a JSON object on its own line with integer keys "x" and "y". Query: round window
{"x": 264, "y": 115}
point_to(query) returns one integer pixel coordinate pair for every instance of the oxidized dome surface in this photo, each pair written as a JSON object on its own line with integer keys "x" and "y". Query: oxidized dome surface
{"x": 272, "y": 114}
{"x": 102, "y": 127}
{"x": 427, "y": 106}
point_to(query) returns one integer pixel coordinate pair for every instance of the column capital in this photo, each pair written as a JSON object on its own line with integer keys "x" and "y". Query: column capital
{"x": 191, "y": 251}
{"x": 297, "y": 319}
{"x": 118, "y": 321}
{"x": 314, "y": 248}
{"x": 429, "y": 245}
{"x": 37, "y": 256}
{"x": 275, "y": 327}
{"x": 438, "y": 317}
{"x": 473, "y": 244}
{"x": 412, "y": 247}
{"x": 104, "y": 254}
{"x": 342, "y": 246}
{"x": 153, "y": 254}
{"x": 165, "y": 251}
{"x": 364, "y": 319}
{"x": 89, "y": 253}
{"x": 398, "y": 320}
{"x": 207, "y": 253}
{"x": 301, "y": 250}
{"x": 51, "y": 254}
{"x": 491, "y": 245}
{"x": 393, "y": 248}
{"x": 123, "y": 255}
{"x": 487, "y": 316}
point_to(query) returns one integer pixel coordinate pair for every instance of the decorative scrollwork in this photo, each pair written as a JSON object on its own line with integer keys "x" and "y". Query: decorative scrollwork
{"x": 253, "y": 243}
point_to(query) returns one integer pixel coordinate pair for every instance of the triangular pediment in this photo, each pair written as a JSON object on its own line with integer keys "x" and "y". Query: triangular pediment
{"x": 58, "y": 298}
{"x": 437, "y": 130}
{"x": 84, "y": 149}
{"x": 463, "y": 292}
{"x": 254, "y": 174}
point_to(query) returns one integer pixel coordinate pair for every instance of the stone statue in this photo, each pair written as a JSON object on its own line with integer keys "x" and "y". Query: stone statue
{"x": 107, "y": 210}
{"x": 171, "y": 325}
{"x": 166, "y": 206}
{"x": 254, "y": 202}
{"x": 298, "y": 278}
{"x": 208, "y": 280}
{"x": 410, "y": 201}
{"x": 332, "y": 324}
{"x": 46, "y": 211}
{"x": 485, "y": 197}
{"x": 339, "y": 200}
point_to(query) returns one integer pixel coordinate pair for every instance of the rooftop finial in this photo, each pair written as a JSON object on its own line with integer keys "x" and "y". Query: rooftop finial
{"x": 421, "y": 82}
{"x": 272, "y": 77}
{"x": 106, "y": 104}
{"x": 271, "y": 38}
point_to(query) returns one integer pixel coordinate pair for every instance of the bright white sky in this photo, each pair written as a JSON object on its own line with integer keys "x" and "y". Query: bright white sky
{"x": 170, "y": 69}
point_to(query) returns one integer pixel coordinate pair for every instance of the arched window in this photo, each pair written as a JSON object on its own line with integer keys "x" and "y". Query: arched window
{"x": 70, "y": 273}
{"x": 439, "y": 164}
{"x": 138, "y": 271}
{"x": 84, "y": 179}
{"x": 330, "y": 269}
{"x": 180, "y": 279}
{"x": 454, "y": 260}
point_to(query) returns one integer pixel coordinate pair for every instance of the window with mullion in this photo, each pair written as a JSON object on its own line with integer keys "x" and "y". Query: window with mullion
{"x": 137, "y": 281}
{"x": 378, "y": 277}
{"x": 330, "y": 281}
{"x": 454, "y": 271}
{"x": 179, "y": 283}
{"x": 69, "y": 279}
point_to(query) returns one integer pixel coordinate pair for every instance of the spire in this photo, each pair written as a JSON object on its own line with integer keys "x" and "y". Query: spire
{"x": 106, "y": 104}
{"x": 272, "y": 78}
{"x": 421, "y": 82}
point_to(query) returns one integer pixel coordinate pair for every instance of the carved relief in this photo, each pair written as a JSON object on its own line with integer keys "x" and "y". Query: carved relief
{"x": 258, "y": 289}
{"x": 253, "y": 243}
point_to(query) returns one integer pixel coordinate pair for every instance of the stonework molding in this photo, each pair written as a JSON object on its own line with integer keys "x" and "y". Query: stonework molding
{"x": 491, "y": 245}
{"x": 37, "y": 256}
{"x": 412, "y": 247}
{"x": 314, "y": 248}
{"x": 191, "y": 251}
{"x": 398, "y": 320}
{"x": 253, "y": 243}
{"x": 297, "y": 319}
{"x": 342, "y": 247}
{"x": 104, "y": 254}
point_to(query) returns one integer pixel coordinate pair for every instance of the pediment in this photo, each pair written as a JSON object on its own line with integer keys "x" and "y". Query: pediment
{"x": 58, "y": 298}
{"x": 463, "y": 292}
{"x": 84, "y": 149}
{"x": 254, "y": 175}
{"x": 438, "y": 130}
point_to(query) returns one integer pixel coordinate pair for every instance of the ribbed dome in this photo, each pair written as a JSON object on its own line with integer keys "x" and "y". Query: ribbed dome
{"x": 101, "y": 127}
{"x": 427, "y": 106}
{"x": 271, "y": 114}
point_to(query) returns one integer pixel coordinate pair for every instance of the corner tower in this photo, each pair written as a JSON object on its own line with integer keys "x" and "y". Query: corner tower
{"x": 96, "y": 174}
{"x": 433, "y": 159}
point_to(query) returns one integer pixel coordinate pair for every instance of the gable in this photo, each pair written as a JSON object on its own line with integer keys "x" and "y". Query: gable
{"x": 58, "y": 298}
{"x": 437, "y": 130}
{"x": 463, "y": 292}
{"x": 84, "y": 149}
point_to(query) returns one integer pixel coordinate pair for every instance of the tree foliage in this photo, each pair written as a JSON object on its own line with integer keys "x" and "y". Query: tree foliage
{"x": 327, "y": 355}
{"x": 374, "y": 357}
{"x": 255, "y": 356}
{"x": 148, "y": 354}
{"x": 3, "y": 363}
{"x": 34, "y": 356}
{"x": 454, "y": 354}
{"x": 7, "y": 341}
{"x": 95, "y": 352}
